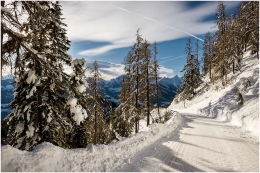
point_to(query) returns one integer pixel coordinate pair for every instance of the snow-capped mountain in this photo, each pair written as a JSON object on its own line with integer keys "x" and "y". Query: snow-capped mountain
{"x": 111, "y": 89}
{"x": 168, "y": 88}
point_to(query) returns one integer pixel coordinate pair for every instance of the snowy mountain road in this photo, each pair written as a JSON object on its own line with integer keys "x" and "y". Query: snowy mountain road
{"x": 202, "y": 144}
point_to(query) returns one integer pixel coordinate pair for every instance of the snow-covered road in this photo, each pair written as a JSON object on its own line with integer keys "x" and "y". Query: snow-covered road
{"x": 203, "y": 144}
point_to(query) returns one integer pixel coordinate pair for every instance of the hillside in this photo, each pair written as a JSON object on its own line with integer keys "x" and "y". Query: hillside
{"x": 220, "y": 102}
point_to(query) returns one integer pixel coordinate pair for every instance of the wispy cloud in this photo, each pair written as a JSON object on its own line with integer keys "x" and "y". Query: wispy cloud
{"x": 110, "y": 70}
{"x": 159, "y": 21}
{"x": 99, "y": 50}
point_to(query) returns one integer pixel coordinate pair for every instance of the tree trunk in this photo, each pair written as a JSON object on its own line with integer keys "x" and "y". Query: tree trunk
{"x": 136, "y": 98}
{"x": 2, "y": 62}
{"x": 147, "y": 96}
{"x": 233, "y": 66}
{"x": 210, "y": 77}
{"x": 39, "y": 113}
{"x": 157, "y": 98}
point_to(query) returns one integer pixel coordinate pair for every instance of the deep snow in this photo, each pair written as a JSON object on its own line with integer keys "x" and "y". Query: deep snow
{"x": 47, "y": 157}
{"x": 220, "y": 102}
{"x": 205, "y": 140}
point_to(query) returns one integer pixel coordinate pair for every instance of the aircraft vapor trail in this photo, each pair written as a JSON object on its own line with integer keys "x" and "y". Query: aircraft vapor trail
{"x": 171, "y": 59}
{"x": 156, "y": 21}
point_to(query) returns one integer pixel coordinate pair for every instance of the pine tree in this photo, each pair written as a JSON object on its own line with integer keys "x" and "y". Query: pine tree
{"x": 221, "y": 19}
{"x": 207, "y": 55}
{"x": 145, "y": 82}
{"x": 254, "y": 26}
{"x": 187, "y": 88}
{"x": 77, "y": 105}
{"x": 40, "y": 91}
{"x": 191, "y": 78}
{"x": 156, "y": 68}
{"x": 234, "y": 43}
{"x": 243, "y": 23}
{"x": 219, "y": 46}
{"x": 196, "y": 71}
{"x": 101, "y": 132}
{"x": 136, "y": 59}
{"x": 124, "y": 121}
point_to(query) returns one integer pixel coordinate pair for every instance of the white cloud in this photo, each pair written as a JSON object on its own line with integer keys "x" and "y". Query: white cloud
{"x": 166, "y": 72}
{"x": 99, "y": 50}
{"x": 100, "y": 21}
{"x": 110, "y": 70}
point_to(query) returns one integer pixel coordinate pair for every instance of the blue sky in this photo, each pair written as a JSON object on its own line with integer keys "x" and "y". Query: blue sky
{"x": 105, "y": 31}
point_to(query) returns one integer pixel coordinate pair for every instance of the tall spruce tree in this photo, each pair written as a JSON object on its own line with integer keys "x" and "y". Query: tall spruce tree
{"x": 191, "y": 77}
{"x": 136, "y": 76}
{"x": 221, "y": 59}
{"x": 207, "y": 55}
{"x": 196, "y": 66}
{"x": 40, "y": 81}
{"x": 77, "y": 105}
{"x": 101, "y": 133}
{"x": 156, "y": 68}
{"x": 254, "y": 26}
{"x": 145, "y": 83}
{"x": 124, "y": 121}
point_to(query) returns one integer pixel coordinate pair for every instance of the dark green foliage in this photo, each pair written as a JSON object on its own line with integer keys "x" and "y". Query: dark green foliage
{"x": 40, "y": 81}
{"x": 102, "y": 131}
{"x": 191, "y": 78}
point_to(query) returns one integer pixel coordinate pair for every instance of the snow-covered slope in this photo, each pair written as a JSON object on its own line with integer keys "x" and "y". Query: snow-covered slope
{"x": 99, "y": 158}
{"x": 220, "y": 102}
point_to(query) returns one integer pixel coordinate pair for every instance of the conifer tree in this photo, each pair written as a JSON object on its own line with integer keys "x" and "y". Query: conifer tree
{"x": 207, "y": 55}
{"x": 136, "y": 59}
{"x": 40, "y": 91}
{"x": 254, "y": 26}
{"x": 101, "y": 132}
{"x": 220, "y": 47}
{"x": 187, "y": 87}
{"x": 156, "y": 68}
{"x": 243, "y": 23}
{"x": 196, "y": 73}
{"x": 191, "y": 78}
{"x": 77, "y": 104}
{"x": 145, "y": 82}
{"x": 124, "y": 121}
{"x": 234, "y": 43}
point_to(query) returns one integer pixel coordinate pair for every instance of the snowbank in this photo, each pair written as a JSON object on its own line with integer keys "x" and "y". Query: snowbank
{"x": 218, "y": 102}
{"x": 50, "y": 158}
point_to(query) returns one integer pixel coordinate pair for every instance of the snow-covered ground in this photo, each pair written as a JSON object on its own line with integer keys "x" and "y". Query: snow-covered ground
{"x": 206, "y": 136}
{"x": 202, "y": 145}
{"x": 47, "y": 157}
{"x": 220, "y": 102}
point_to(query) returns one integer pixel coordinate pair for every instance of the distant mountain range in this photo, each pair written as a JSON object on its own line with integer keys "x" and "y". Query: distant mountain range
{"x": 168, "y": 88}
{"x": 111, "y": 90}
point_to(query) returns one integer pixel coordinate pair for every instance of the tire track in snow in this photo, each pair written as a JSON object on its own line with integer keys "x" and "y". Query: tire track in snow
{"x": 202, "y": 144}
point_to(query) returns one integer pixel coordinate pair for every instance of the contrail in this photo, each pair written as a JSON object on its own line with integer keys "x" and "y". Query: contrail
{"x": 171, "y": 59}
{"x": 156, "y": 21}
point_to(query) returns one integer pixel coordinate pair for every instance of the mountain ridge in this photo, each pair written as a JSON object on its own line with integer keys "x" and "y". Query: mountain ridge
{"x": 111, "y": 90}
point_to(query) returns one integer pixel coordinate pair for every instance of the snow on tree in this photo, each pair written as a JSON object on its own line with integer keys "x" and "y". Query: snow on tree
{"x": 191, "y": 77}
{"x": 77, "y": 104}
{"x": 124, "y": 121}
{"x": 39, "y": 98}
{"x": 207, "y": 55}
{"x": 100, "y": 133}
{"x": 221, "y": 59}
{"x": 155, "y": 72}
{"x": 146, "y": 86}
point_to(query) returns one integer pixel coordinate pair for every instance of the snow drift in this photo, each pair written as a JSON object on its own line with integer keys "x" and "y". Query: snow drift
{"x": 221, "y": 102}
{"x": 50, "y": 158}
